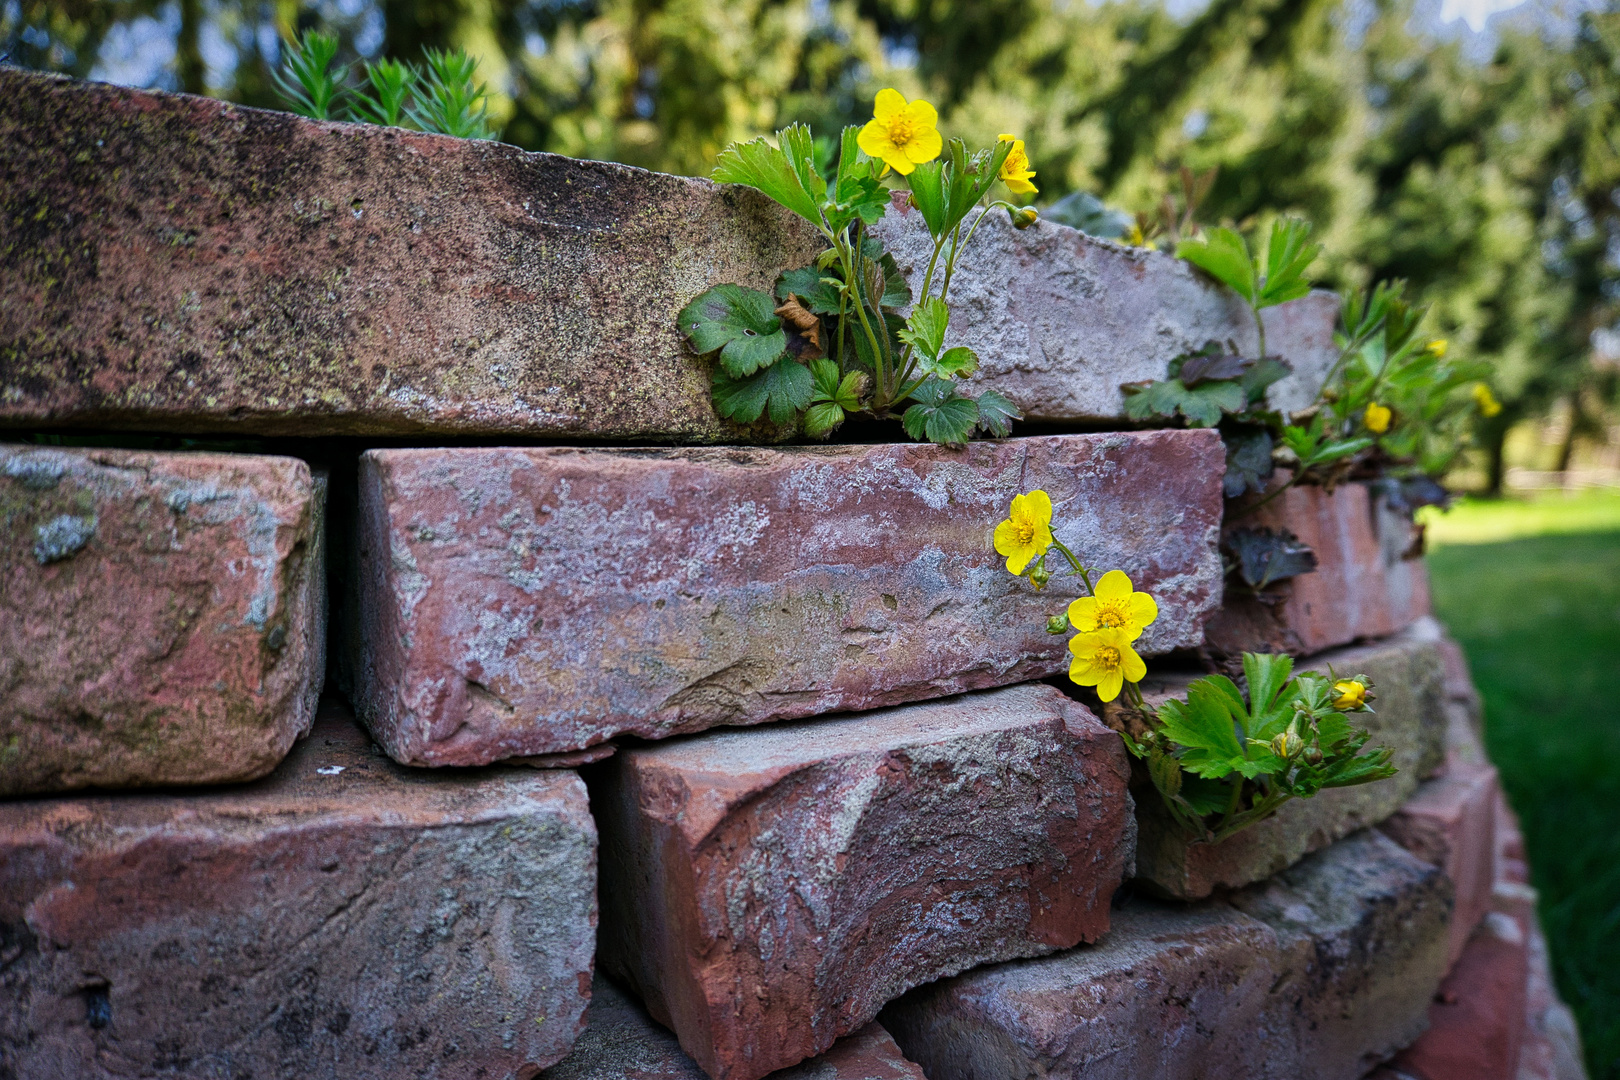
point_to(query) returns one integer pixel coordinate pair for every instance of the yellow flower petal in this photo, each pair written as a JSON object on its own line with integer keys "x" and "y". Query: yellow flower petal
{"x": 1133, "y": 668}
{"x": 924, "y": 146}
{"x": 1083, "y": 613}
{"x": 889, "y": 103}
{"x": 1377, "y": 418}
{"x": 922, "y": 114}
{"x": 1113, "y": 585}
{"x": 1143, "y": 608}
{"x": 1037, "y": 504}
{"x": 1109, "y": 685}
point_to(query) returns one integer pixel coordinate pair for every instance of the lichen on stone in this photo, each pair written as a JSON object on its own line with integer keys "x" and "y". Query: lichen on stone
{"x": 62, "y": 537}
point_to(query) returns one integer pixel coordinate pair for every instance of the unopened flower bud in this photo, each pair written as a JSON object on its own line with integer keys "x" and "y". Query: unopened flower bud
{"x": 1288, "y": 745}
{"x": 1314, "y": 755}
{"x": 1350, "y": 694}
{"x": 1057, "y": 624}
{"x": 1024, "y": 217}
{"x": 1039, "y": 576}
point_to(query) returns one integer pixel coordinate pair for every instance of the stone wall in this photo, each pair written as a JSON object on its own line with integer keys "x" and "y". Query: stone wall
{"x": 649, "y": 759}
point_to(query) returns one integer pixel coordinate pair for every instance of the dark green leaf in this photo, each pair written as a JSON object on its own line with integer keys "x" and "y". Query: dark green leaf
{"x": 896, "y": 290}
{"x": 996, "y": 414}
{"x": 1264, "y": 556}
{"x": 822, "y": 418}
{"x": 1261, "y": 374}
{"x": 939, "y": 415}
{"x": 741, "y": 323}
{"x": 1084, "y": 211}
{"x": 1202, "y": 405}
{"x": 1267, "y": 674}
{"x": 925, "y": 330}
{"x": 783, "y": 389}
{"x": 1248, "y": 459}
{"x": 1204, "y": 367}
{"x": 818, "y": 292}
{"x": 766, "y": 168}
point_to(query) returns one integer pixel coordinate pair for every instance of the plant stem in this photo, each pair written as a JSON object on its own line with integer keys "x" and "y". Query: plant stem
{"x": 1074, "y": 562}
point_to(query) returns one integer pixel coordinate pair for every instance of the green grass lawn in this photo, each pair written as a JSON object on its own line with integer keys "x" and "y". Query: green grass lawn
{"x": 1532, "y": 591}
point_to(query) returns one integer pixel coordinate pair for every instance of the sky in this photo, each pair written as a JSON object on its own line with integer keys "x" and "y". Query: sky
{"x": 1473, "y": 12}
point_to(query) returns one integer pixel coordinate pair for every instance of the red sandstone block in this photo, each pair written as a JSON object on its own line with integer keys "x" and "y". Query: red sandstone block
{"x": 342, "y": 919}
{"x": 162, "y": 616}
{"x": 531, "y": 601}
{"x": 1368, "y": 581}
{"x": 1451, "y": 823}
{"x": 1315, "y": 975}
{"x": 1476, "y": 1023}
{"x": 621, "y": 1042}
{"x": 767, "y": 891}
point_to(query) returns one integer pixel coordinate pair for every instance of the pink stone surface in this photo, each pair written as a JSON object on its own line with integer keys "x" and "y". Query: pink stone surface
{"x": 1368, "y": 582}
{"x": 183, "y": 264}
{"x": 162, "y": 616}
{"x": 1315, "y": 975}
{"x": 1450, "y": 822}
{"x": 1409, "y": 719}
{"x": 766, "y": 891}
{"x": 1476, "y": 1023}
{"x": 541, "y": 600}
{"x": 621, "y": 1042}
{"x": 342, "y": 919}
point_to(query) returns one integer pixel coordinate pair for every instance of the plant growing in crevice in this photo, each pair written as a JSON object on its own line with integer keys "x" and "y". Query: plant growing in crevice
{"x": 1225, "y": 757}
{"x": 831, "y": 340}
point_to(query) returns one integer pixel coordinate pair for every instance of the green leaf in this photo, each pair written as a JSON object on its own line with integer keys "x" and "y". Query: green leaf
{"x": 939, "y": 415}
{"x": 845, "y": 392}
{"x": 858, "y": 192}
{"x": 896, "y": 290}
{"x": 925, "y": 330}
{"x": 1265, "y": 556}
{"x": 1203, "y": 405}
{"x": 928, "y": 195}
{"x": 1261, "y": 374}
{"x": 741, "y": 323}
{"x": 771, "y": 170}
{"x": 822, "y": 418}
{"x": 305, "y": 82}
{"x": 1224, "y": 256}
{"x": 1205, "y": 720}
{"x": 449, "y": 99}
{"x": 1288, "y": 255}
{"x": 996, "y": 414}
{"x": 1267, "y": 674}
{"x": 1248, "y": 459}
{"x": 391, "y": 81}
{"x": 1205, "y": 796}
{"x": 955, "y": 363}
{"x": 783, "y": 389}
{"x": 815, "y": 290}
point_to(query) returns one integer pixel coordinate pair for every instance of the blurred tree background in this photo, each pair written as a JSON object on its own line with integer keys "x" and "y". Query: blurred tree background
{"x": 1491, "y": 182}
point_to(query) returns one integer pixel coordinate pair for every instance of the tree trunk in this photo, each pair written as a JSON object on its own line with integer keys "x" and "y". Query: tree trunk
{"x": 1495, "y": 444}
{"x": 188, "y": 61}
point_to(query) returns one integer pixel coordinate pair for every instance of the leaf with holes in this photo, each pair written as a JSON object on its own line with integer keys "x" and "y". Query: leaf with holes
{"x": 741, "y": 323}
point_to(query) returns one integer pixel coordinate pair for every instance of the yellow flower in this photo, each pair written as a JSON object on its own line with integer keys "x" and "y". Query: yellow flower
{"x": 1114, "y": 606}
{"x": 901, "y": 134}
{"x": 1437, "y": 348}
{"x": 1015, "y": 171}
{"x": 1488, "y": 405}
{"x": 1377, "y": 418}
{"x": 1349, "y": 694}
{"x": 1104, "y": 659}
{"x": 1027, "y": 532}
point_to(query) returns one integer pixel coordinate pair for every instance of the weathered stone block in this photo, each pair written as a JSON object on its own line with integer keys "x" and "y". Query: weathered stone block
{"x": 1476, "y": 1023}
{"x": 530, "y": 601}
{"x": 1316, "y": 975}
{"x": 621, "y": 1042}
{"x": 1450, "y": 822}
{"x": 162, "y": 616}
{"x": 767, "y": 891}
{"x": 344, "y": 918}
{"x": 1410, "y": 720}
{"x": 1060, "y": 319}
{"x": 1369, "y": 580}
{"x": 183, "y": 264}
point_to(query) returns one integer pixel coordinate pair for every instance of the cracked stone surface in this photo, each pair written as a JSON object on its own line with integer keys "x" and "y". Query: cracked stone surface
{"x": 180, "y": 264}
{"x": 344, "y": 918}
{"x": 1370, "y": 580}
{"x": 1410, "y": 718}
{"x": 766, "y": 891}
{"x": 541, "y": 600}
{"x": 1318, "y": 974}
{"x": 621, "y": 1042}
{"x": 1060, "y": 319}
{"x": 162, "y": 616}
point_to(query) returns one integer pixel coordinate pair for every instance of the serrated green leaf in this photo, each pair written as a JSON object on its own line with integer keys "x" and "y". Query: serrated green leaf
{"x": 822, "y": 418}
{"x": 1203, "y": 405}
{"x": 1205, "y": 796}
{"x": 1203, "y": 722}
{"x": 767, "y": 168}
{"x": 857, "y": 191}
{"x": 741, "y": 323}
{"x": 996, "y": 414}
{"x": 1264, "y": 372}
{"x": 1267, "y": 674}
{"x": 1224, "y": 256}
{"x": 781, "y": 389}
{"x": 896, "y": 290}
{"x": 940, "y": 416}
{"x": 927, "y": 194}
{"x": 925, "y": 330}
{"x": 815, "y": 290}
{"x": 1288, "y": 255}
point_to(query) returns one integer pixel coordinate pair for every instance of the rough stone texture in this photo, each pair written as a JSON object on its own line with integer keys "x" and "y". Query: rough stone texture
{"x": 176, "y": 263}
{"x": 531, "y": 601}
{"x": 1369, "y": 581}
{"x": 767, "y": 891}
{"x": 1410, "y": 719}
{"x": 1451, "y": 823}
{"x": 1476, "y": 1023}
{"x": 342, "y": 919}
{"x": 1060, "y": 319}
{"x": 1315, "y": 975}
{"x": 1551, "y": 1049}
{"x": 621, "y": 1042}
{"x": 162, "y": 616}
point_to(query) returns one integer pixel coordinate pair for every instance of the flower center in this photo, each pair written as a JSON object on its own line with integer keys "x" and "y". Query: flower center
{"x": 901, "y": 129}
{"x": 1024, "y": 531}
{"x": 1112, "y": 613}
{"x": 1107, "y": 658}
